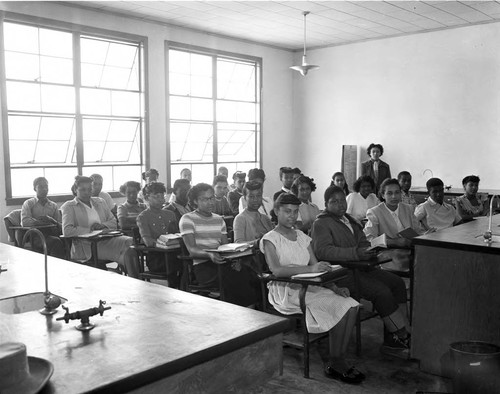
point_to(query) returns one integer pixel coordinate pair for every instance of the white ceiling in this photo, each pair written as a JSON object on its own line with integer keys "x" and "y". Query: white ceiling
{"x": 280, "y": 23}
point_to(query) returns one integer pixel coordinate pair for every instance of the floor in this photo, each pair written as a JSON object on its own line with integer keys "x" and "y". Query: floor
{"x": 384, "y": 374}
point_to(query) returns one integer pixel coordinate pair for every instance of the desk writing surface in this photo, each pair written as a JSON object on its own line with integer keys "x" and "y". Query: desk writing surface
{"x": 151, "y": 331}
{"x": 467, "y": 236}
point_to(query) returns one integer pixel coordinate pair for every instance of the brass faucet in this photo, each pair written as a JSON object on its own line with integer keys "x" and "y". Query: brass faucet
{"x": 51, "y": 301}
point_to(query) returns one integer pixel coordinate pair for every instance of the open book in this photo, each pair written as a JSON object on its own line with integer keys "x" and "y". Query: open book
{"x": 378, "y": 242}
{"x": 408, "y": 233}
{"x": 231, "y": 248}
{"x": 334, "y": 267}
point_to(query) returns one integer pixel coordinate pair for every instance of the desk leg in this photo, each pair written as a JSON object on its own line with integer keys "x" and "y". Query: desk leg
{"x": 358, "y": 315}
{"x": 412, "y": 270}
{"x": 302, "y": 300}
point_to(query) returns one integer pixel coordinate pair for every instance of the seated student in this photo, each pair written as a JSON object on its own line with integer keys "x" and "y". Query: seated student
{"x": 296, "y": 173}
{"x": 223, "y": 171}
{"x": 435, "y": 214}
{"x": 286, "y": 177}
{"x": 234, "y": 195}
{"x": 258, "y": 175}
{"x": 128, "y": 211}
{"x": 180, "y": 205}
{"x": 40, "y": 211}
{"x": 85, "y": 214}
{"x": 97, "y": 181}
{"x": 362, "y": 199}
{"x": 379, "y": 170}
{"x": 339, "y": 237}
{"x": 184, "y": 174}
{"x": 153, "y": 222}
{"x": 472, "y": 204}
{"x": 390, "y": 217}
{"x": 288, "y": 252}
{"x": 201, "y": 230}
{"x": 251, "y": 224}
{"x": 221, "y": 204}
{"x": 302, "y": 187}
{"x": 150, "y": 175}
{"x": 338, "y": 179}
{"x": 404, "y": 179}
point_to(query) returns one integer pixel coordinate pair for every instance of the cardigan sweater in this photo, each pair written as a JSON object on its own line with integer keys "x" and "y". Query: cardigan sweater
{"x": 334, "y": 241}
{"x": 384, "y": 171}
{"x": 245, "y": 229}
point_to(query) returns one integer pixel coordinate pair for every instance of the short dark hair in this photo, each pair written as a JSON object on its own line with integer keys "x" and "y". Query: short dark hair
{"x": 296, "y": 170}
{"x": 364, "y": 178}
{"x": 251, "y": 185}
{"x": 95, "y": 176}
{"x": 285, "y": 199}
{"x": 147, "y": 173}
{"x": 346, "y": 186}
{"x": 153, "y": 188}
{"x": 386, "y": 183}
{"x": 330, "y": 191}
{"x": 195, "y": 192}
{"x": 256, "y": 173}
{"x": 470, "y": 178}
{"x": 36, "y": 181}
{"x": 372, "y": 145}
{"x": 79, "y": 179}
{"x": 219, "y": 178}
{"x": 402, "y": 174}
{"x": 239, "y": 174}
{"x": 135, "y": 184}
{"x": 302, "y": 179}
{"x": 337, "y": 174}
{"x": 179, "y": 183}
{"x": 286, "y": 170}
{"x": 433, "y": 182}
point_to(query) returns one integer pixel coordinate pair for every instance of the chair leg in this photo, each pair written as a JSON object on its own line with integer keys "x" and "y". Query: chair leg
{"x": 305, "y": 335}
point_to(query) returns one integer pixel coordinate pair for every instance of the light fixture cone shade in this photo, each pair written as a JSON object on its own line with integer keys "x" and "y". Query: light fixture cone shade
{"x": 304, "y": 68}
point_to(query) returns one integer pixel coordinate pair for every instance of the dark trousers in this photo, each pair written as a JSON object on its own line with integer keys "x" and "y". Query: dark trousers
{"x": 156, "y": 264}
{"x": 384, "y": 289}
{"x": 238, "y": 281}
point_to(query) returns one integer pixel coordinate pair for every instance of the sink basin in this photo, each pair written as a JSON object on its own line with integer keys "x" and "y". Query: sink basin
{"x": 24, "y": 303}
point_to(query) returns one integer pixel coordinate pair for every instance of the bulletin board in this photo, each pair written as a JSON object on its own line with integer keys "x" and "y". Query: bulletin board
{"x": 349, "y": 162}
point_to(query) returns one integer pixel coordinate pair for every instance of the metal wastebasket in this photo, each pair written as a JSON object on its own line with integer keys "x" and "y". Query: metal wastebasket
{"x": 476, "y": 367}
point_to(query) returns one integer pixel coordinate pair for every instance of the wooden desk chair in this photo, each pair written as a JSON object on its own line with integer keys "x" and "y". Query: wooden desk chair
{"x": 143, "y": 252}
{"x": 188, "y": 279}
{"x": 298, "y": 336}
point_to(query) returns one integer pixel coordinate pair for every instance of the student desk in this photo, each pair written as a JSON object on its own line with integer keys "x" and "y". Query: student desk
{"x": 153, "y": 339}
{"x": 456, "y": 292}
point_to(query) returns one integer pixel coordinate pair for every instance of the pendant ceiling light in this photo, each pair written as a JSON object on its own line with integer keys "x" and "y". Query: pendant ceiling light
{"x": 304, "y": 68}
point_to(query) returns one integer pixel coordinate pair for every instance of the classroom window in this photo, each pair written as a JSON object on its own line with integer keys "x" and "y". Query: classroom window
{"x": 74, "y": 105}
{"x": 214, "y": 113}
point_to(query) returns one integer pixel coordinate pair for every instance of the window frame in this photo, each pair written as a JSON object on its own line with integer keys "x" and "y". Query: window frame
{"x": 174, "y": 45}
{"x": 74, "y": 29}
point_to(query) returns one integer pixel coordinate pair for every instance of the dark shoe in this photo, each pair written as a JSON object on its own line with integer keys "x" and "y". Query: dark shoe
{"x": 396, "y": 346}
{"x": 351, "y": 376}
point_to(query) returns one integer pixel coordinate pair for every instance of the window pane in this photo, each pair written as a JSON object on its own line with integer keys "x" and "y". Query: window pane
{"x": 179, "y": 61}
{"x": 95, "y": 101}
{"x": 92, "y": 151}
{"x": 117, "y": 151}
{"x": 23, "y": 96}
{"x": 123, "y": 130}
{"x": 91, "y": 75}
{"x": 24, "y": 127}
{"x": 56, "y": 70}
{"x": 51, "y": 152}
{"x": 95, "y": 129}
{"x": 22, "y": 180}
{"x": 20, "y": 38}
{"x": 57, "y": 129}
{"x": 235, "y": 80}
{"x": 115, "y": 77}
{"x": 125, "y": 174}
{"x": 56, "y": 43}
{"x": 191, "y": 142}
{"x": 233, "y": 111}
{"x": 236, "y": 143}
{"x": 22, "y": 152}
{"x": 60, "y": 179}
{"x": 58, "y": 99}
{"x": 125, "y": 104}
{"x": 93, "y": 51}
{"x": 190, "y": 108}
{"x": 21, "y": 66}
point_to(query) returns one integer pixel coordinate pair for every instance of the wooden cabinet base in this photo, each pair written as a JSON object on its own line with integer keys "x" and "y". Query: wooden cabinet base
{"x": 236, "y": 371}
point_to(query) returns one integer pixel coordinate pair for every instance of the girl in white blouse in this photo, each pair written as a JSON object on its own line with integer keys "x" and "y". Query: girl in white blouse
{"x": 363, "y": 198}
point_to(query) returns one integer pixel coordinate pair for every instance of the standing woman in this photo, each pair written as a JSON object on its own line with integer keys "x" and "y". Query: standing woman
{"x": 302, "y": 187}
{"x": 379, "y": 170}
{"x": 472, "y": 205}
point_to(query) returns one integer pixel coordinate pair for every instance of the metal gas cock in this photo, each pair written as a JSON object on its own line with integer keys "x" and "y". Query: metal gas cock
{"x": 84, "y": 316}
{"x": 488, "y": 234}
